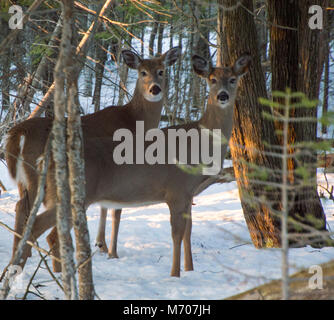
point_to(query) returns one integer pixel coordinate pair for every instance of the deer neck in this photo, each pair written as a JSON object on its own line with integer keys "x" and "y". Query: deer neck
{"x": 144, "y": 110}
{"x": 216, "y": 117}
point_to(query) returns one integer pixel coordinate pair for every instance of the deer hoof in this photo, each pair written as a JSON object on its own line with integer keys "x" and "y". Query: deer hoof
{"x": 103, "y": 247}
{"x": 113, "y": 256}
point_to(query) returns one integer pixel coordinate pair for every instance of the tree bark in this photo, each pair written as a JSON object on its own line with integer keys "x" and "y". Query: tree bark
{"x": 250, "y": 130}
{"x": 295, "y": 59}
{"x": 5, "y": 70}
{"x": 77, "y": 186}
{"x": 101, "y": 57}
{"x": 252, "y": 134}
{"x": 64, "y": 220}
{"x": 71, "y": 181}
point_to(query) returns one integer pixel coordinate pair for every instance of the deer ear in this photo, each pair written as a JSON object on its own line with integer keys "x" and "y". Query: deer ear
{"x": 242, "y": 64}
{"x": 131, "y": 59}
{"x": 201, "y": 66}
{"x": 171, "y": 56}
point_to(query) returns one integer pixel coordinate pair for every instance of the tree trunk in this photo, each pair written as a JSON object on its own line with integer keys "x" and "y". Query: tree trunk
{"x": 295, "y": 59}
{"x": 88, "y": 69}
{"x": 5, "y": 70}
{"x": 101, "y": 57}
{"x": 152, "y": 37}
{"x": 251, "y": 130}
{"x": 326, "y": 51}
{"x": 201, "y": 43}
{"x": 64, "y": 219}
{"x": 77, "y": 186}
{"x": 123, "y": 74}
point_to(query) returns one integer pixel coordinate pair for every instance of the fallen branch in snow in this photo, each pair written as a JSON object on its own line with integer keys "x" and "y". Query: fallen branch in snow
{"x": 2, "y": 187}
{"x": 227, "y": 175}
{"x": 31, "y": 280}
{"x": 299, "y": 287}
{"x": 50, "y": 272}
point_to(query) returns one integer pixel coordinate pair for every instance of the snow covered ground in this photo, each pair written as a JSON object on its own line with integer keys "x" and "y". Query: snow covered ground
{"x": 225, "y": 261}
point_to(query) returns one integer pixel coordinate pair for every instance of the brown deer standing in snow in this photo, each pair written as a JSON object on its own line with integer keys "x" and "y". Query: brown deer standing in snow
{"x": 26, "y": 141}
{"x": 128, "y": 185}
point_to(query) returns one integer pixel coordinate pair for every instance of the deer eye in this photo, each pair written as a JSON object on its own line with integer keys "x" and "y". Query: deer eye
{"x": 143, "y": 73}
{"x": 233, "y": 81}
{"x": 160, "y": 73}
{"x": 213, "y": 80}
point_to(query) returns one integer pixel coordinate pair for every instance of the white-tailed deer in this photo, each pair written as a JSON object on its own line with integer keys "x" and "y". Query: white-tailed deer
{"x": 26, "y": 141}
{"x": 128, "y": 185}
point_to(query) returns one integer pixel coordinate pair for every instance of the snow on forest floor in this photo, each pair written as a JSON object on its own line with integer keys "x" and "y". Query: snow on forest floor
{"x": 225, "y": 261}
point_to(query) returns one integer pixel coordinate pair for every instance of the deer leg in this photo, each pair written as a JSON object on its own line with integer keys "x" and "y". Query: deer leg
{"x": 116, "y": 218}
{"x": 53, "y": 242}
{"x": 43, "y": 222}
{"x": 188, "y": 260}
{"x": 178, "y": 220}
{"x": 100, "y": 239}
{"x": 22, "y": 212}
{"x": 21, "y": 208}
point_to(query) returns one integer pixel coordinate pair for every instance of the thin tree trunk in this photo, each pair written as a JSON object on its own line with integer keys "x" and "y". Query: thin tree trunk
{"x": 5, "y": 70}
{"x": 77, "y": 186}
{"x": 101, "y": 57}
{"x": 202, "y": 49}
{"x": 326, "y": 87}
{"x": 177, "y": 80}
{"x": 123, "y": 74}
{"x": 77, "y": 176}
{"x": 152, "y": 37}
{"x": 88, "y": 69}
{"x": 262, "y": 30}
{"x": 64, "y": 219}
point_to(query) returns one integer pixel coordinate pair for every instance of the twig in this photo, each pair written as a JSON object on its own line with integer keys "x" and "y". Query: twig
{"x": 2, "y": 186}
{"x": 33, "y": 245}
{"x": 31, "y": 279}
{"x": 50, "y": 272}
{"x": 80, "y": 51}
{"x": 83, "y": 263}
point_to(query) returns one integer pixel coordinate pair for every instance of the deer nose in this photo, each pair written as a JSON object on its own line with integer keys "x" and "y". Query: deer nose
{"x": 223, "y": 97}
{"x": 155, "y": 90}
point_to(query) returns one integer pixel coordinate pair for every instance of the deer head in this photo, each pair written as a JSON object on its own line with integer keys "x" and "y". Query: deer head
{"x": 151, "y": 78}
{"x": 222, "y": 82}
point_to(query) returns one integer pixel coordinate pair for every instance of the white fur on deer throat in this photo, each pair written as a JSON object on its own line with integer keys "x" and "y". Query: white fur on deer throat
{"x": 153, "y": 98}
{"x": 20, "y": 173}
